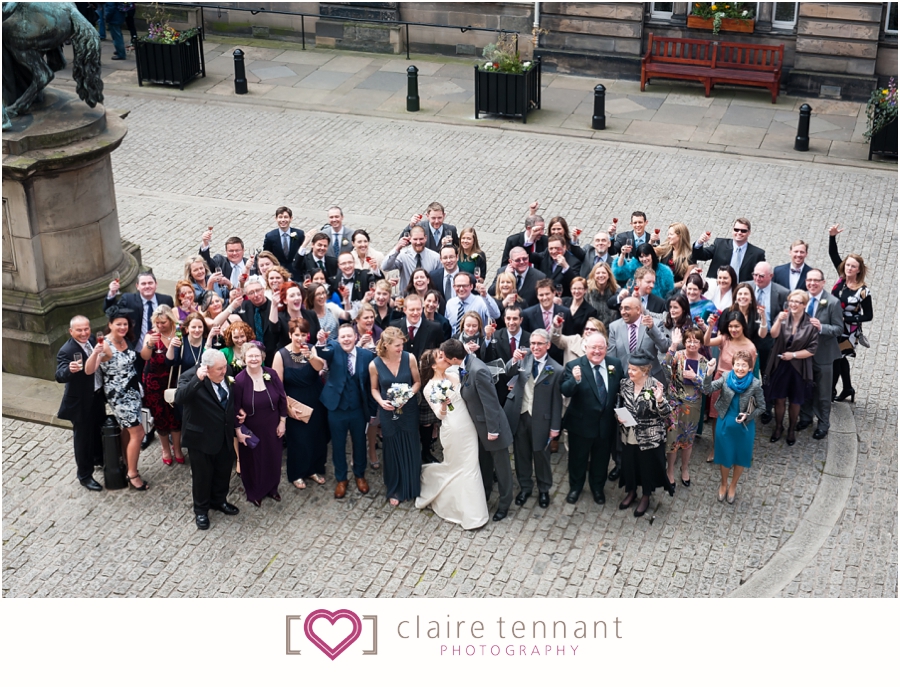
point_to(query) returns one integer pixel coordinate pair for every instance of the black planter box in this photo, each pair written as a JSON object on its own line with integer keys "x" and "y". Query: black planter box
{"x": 172, "y": 65}
{"x": 508, "y": 95}
{"x": 884, "y": 142}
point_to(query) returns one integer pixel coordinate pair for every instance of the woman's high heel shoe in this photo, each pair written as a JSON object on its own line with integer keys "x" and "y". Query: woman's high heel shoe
{"x": 776, "y": 435}
{"x": 791, "y": 436}
{"x": 144, "y": 485}
{"x": 847, "y": 394}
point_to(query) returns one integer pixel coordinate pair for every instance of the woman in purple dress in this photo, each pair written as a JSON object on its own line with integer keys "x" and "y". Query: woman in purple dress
{"x": 259, "y": 393}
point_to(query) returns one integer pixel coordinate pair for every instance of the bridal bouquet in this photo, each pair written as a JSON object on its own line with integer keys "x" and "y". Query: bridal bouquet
{"x": 440, "y": 392}
{"x": 398, "y": 395}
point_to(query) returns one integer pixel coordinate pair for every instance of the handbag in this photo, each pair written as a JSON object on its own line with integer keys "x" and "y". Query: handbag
{"x": 146, "y": 420}
{"x": 169, "y": 393}
{"x": 863, "y": 340}
{"x": 251, "y": 439}
{"x": 751, "y": 406}
{"x": 298, "y": 411}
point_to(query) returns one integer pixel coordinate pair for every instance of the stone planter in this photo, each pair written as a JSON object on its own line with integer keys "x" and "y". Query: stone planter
{"x": 884, "y": 142}
{"x": 170, "y": 65}
{"x": 508, "y": 95}
{"x": 733, "y": 25}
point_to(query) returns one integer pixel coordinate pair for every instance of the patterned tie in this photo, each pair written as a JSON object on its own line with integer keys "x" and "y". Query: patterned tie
{"x": 546, "y": 320}
{"x": 147, "y": 324}
{"x": 601, "y": 387}
{"x": 223, "y": 395}
{"x": 632, "y": 338}
{"x": 285, "y": 244}
{"x": 412, "y": 333}
{"x": 811, "y": 308}
{"x": 459, "y": 314}
{"x": 350, "y": 364}
{"x": 512, "y": 344}
{"x": 336, "y": 244}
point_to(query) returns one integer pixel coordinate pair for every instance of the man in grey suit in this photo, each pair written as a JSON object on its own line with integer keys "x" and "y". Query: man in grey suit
{"x": 772, "y": 296}
{"x": 600, "y": 251}
{"x": 340, "y": 237}
{"x": 534, "y": 410}
{"x": 637, "y": 332}
{"x": 826, "y": 315}
{"x": 437, "y": 233}
{"x": 494, "y": 434}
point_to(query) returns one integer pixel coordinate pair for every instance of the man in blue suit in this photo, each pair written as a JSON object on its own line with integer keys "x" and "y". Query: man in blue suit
{"x": 285, "y": 241}
{"x": 792, "y": 275}
{"x": 592, "y": 382}
{"x": 348, "y": 397}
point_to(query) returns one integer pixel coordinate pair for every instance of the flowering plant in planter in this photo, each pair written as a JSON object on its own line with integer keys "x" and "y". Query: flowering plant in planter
{"x": 881, "y": 110}
{"x": 503, "y": 56}
{"x": 159, "y": 30}
{"x": 717, "y": 11}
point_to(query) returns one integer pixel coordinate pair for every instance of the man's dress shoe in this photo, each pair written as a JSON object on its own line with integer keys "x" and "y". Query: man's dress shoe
{"x": 362, "y": 485}
{"x": 572, "y": 496}
{"x": 91, "y": 483}
{"x": 544, "y": 499}
{"x": 803, "y": 424}
{"x": 226, "y": 508}
{"x": 340, "y": 490}
{"x": 599, "y": 497}
{"x": 202, "y": 521}
{"x": 820, "y": 434}
{"x": 499, "y": 515}
{"x": 522, "y": 498}
{"x": 614, "y": 474}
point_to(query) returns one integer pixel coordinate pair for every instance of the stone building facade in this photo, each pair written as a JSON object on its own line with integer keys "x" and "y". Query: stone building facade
{"x": 836, "y": 49}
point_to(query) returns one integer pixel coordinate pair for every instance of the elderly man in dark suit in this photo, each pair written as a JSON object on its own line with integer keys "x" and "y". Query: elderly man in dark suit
{"x": 494, "y": 435}
{"x": 592, "y": 382}
{"x": 262, "y": 316}
{"x": 736, "y": 251}
{"x": 348, "y": 396}
{"x": 792, "y": 275}
{"x": 527, "y": 277}
{"x": 532, "y": 240}
{"x": 83, "y": 403}
{"x": 826, "y": 315}
{"x": 534, "y": 410}
{"x": 207, "y": 406}
{"x": 437, "y": 233}
{"x": 285, "y": 241}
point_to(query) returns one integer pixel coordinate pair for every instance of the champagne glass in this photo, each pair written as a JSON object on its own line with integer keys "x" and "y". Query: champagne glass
{"x": 79, "y": 358}
{"x": 478, "y": 273}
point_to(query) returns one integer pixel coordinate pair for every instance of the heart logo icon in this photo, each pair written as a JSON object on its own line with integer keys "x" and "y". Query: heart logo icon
{"x": 332, "y": 617}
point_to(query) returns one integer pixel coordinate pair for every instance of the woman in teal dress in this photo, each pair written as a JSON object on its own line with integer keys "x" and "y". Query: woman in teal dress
{"x": 402, "y": 452}
{"x": 736, "y": 428}
{"x": 701, "y": 307}
{"x": 645, "y": 256}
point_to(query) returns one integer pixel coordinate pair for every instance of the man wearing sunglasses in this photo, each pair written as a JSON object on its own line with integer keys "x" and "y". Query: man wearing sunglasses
{"x": 736, "y": 251}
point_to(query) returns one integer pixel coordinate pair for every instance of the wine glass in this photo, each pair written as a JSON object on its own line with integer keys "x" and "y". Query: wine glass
{"x": 79, "y": 358}
{"x": 478, "y": 273}
{"x": 559, "y": 290}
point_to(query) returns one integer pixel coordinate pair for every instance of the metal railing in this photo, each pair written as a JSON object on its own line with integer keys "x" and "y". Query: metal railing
{"x": 304, "y": 15}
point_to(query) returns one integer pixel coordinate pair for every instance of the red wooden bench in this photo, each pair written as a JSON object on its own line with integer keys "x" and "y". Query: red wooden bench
{"x": 712, "y": 62}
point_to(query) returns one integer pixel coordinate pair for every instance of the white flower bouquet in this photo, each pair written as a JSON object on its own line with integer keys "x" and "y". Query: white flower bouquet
{"x": 440, "y": 392}
{"x": 398, "y": 395}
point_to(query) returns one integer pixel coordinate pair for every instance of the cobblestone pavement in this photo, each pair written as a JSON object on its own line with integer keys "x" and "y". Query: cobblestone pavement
{"x": 174, "y": 177}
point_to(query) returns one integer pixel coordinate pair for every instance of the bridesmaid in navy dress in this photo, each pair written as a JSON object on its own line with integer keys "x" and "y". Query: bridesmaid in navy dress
{"x": 259, "y": 393}
{"x": 402, "y": 452}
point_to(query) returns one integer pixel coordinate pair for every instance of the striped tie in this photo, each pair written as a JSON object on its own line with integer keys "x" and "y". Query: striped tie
{"x": 459, "y": 314}
{"x": 632, "y": 338}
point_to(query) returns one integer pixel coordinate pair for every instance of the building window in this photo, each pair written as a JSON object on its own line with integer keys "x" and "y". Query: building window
{"x": 784, "y": 15}
{"x": 661, "y": 10}
{"x": 890, "y": 19}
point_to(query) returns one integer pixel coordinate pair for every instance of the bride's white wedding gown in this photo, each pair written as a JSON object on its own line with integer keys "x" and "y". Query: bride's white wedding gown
{"x": 454, "y": 488}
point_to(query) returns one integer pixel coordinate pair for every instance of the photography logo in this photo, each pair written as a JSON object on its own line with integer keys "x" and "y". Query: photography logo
{"x": 331, "y": 632}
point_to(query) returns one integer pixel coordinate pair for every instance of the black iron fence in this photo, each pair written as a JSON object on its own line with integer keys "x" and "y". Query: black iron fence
{"x": 303, "y": 16}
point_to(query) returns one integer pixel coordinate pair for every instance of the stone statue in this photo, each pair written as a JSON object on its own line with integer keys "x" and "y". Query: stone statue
{"x": 33, "y": 31}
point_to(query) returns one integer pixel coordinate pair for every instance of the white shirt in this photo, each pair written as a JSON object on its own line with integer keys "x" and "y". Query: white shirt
{"x": 485, "y": 307}
{"x": 794, "y": 277}
{"x": 763, "y": 296}
{"x": 603, "y": 373}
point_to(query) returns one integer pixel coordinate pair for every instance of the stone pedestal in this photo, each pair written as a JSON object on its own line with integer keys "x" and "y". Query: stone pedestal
{"x": 61, "y": 241}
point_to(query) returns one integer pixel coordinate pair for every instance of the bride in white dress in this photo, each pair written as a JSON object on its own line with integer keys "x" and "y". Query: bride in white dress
{"x": 454, "y": 488}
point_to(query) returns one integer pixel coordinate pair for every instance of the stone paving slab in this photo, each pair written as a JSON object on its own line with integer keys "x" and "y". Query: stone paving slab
{"x": 60, "y": 540}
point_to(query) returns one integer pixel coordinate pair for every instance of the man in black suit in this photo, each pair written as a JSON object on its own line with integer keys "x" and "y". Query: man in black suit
{"x": 422, "y": 334}
{"x": 637, "y": 234}
{"x": 599, "y": 251}
{"x": 317, "y": 259}
{"x": 772, "y": 297}
{"x": 526, "y": 276}
{"x": 442, "y": 279}
{"x": 262, "y": 316}
{"x": 557, "y": 263}
{"x": 141, "y": 304}
{"x": 502, "y": 343}
{"x": 285, "y": 241}
{"x": 348, "y": 277}
{"x": 592, "y": 382}
{"x": 232, "y": 264}
{"x": 644, "y": 281}
{"x": 792, "y": 275}
{"x": 545, "y": 314}
{"x": 437, "y": 233}
{"x": 83, "y": 403}
{"x": 532, "y": 239}
{"x": 207, "y": 407}
{"x": 736, "y": 251}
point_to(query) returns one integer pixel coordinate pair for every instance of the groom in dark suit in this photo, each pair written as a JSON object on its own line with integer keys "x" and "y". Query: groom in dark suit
{"x": 207, "y": 407}
{"x": 592, "y": 382}
{"x": 494, "y": 434}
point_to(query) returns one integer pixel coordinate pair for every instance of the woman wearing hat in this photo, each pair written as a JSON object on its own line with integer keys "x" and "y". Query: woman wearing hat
{"x": 644, "y": 444}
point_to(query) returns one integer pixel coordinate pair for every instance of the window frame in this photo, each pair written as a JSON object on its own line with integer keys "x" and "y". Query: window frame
{"x": 658, "y": 14}
{"x": 776, "y": 24}
{"x": 887, "y": 19}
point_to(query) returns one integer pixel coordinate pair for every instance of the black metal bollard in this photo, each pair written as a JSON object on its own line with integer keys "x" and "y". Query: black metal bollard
{"x": 802, "y": 140}
{"x": 113, "y": 474}
{"x": 240, "y": 76}
{"x": 412, "y": 89}
{"x": 598, "y": 121}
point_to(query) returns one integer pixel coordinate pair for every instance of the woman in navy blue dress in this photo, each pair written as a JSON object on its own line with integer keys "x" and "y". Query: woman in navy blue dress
{"x": 399, "y": 427}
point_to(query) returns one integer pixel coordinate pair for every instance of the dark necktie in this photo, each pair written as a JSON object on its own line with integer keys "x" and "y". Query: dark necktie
{"x": 519, "y": 283}
{"x": 148, "y": 318}
{"x": 258, "y": 324}
{"x": 632, "y": 338}
{"x": 223, "y": 396}
{"x": 512, "y": 344}
{"x": 459, "y": 314}
{"x": 535, "y": 369}
{"x": 811, "y": 308}
{"x": 337, "y": 245}
{"x": 285, "y": 244}
{"x": 448, "y": 287}
{"x": 601, "y": 387}
{"x": 321, "y": 264}
{"x": 412, "y": 333}
{"x": 418, "y": 260}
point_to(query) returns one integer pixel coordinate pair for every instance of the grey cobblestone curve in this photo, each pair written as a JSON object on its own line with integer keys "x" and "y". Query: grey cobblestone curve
{"x": 60, "y": 540}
